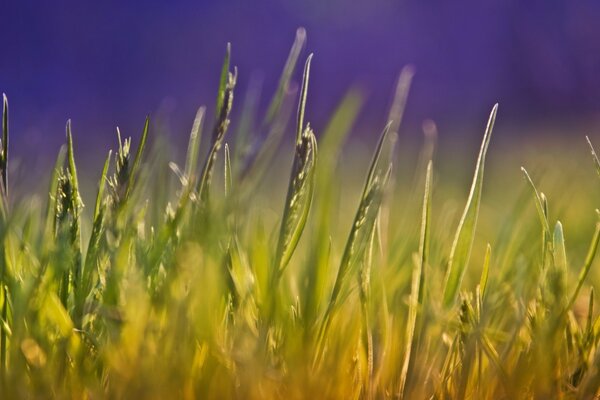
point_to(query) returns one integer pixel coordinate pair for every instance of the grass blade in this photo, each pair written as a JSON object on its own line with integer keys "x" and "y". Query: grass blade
{"x": 362, "y": 227}
{"x": 594, "y": 156}
{"x": 463, "y": 241}
{"x": 227, "y": 172}
{"x": 286, "y": 75}
{"x": 586, "y": 265}
{"x": 138, "y": 159}
{"x": 302, "y": 103}
{"x": 223, "y": 81}
{"x": 4, "y": 150}
{"x": 539, "y": 204}
{"x": 301, "y": 185}
{"x": 101, "y": 186}
{"x": 221, "y": 124}
{"x": 416, "y": 293}
{"x": 191, "y": 159}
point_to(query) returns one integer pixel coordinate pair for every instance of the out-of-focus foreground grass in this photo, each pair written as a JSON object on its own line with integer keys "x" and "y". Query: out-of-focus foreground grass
{"x": 232, "y": 274}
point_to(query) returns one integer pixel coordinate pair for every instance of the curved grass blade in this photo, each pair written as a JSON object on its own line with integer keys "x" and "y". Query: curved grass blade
{"x": 225, "y": 98}
{"x": 558, "y": 276}
{"x": 51, "y": 206}
{"x": 301, "y": 185}
{"x": 223, "y": 81}
{"x": 76, "y": 199}
{"x": 586, "y": 265}
{"x": 302, "y": 103}
{"x": 485, "y": 271}
{"x": 539, "y": 204}
{"x": 227, "y": 172}
{"x": 138, "y": 158}
{"x": 101, "y": 186}
{"x": 416, "y": 293}
{"x": 286, "y": 75}
{"x": 191, "y": 159}
{"x": 362, "y": 227}
{"x": 4, "y": 150}
{"x": 463, "y": 241}
{"x": 594, "y": 155}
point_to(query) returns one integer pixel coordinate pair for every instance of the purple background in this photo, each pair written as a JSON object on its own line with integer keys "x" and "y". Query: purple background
{"x": 108, "y": 63}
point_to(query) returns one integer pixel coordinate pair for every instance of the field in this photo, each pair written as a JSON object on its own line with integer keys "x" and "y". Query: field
{"x": 276, "y": 262}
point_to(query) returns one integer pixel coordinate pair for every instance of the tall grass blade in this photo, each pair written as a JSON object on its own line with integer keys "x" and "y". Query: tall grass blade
{"x": 4, "y": 149}
{"x": 587, "y": 264}
{"x": 225, "y": 98}
{"x": 223, "y": 81}
{"x": 539, "y": 204}
{"x": 286, "y": 75}
{"x": 301, "y": 185}
{"x": 138, "y": 159}
{"x": 594, "y": 155}
{"x": 191, "y": 159}
{"x": 463, "y": 241}
{"x": 416, "y": 292}
{"x": 362, "y": 227}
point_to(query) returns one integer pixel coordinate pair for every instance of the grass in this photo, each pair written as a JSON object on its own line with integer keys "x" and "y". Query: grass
{"x": 226, "y": 286}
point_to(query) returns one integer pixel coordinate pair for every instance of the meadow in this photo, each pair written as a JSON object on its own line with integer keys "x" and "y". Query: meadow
{"x": 277, "y": 262}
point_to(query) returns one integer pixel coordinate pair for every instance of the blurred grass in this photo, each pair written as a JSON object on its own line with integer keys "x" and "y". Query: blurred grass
{"x": 232, "y": 276}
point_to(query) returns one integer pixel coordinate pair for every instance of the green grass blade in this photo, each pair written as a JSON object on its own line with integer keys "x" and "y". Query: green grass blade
{"x": 363, "y": 223}
{"x": 286, "y": 75}
{"x": 73, "y": 171}
{"x": 558, "y": 277}
{"x": 138, "y": 158}
{"x": 416, "y": 292}
{"x": 539, "y": 204}
{"x": 219, "y": 130}
{"x": 463, "y": 241}
{"x": 400, "y": 97}
{"x": 302, "y": 103}
{"x": 4, "y": 154}
{"x": 223, "y": 81}
{"x": 589, "y": 259}
{"x": 298, "y": 201}
{"x": 191, "y": 159}
{"x": 485, "y": 271}
{"x": 227, "y": 172}
{"x": 101, "y": 186}
{"x": 51, "y": 206}
{"x": 594, "y": 155}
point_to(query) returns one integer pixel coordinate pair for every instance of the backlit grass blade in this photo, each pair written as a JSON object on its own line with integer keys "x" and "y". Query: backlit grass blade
{"x": 101, "y": 186}
{"x": 301, "y": 185}
{"x": 558, "y": 276}
{"x": 330, "y": 143}
{"x": 594, "y": 155}
{"x": 286, "y": 75}
{"x": 363, "y": 221}
{"x": 416, "y": 292}
{"x": 138, "y": 159}
{"x": 4, "y": 212}
{"x": 586, "y": 265}
{"x": 539, "y": 204}
{"x": 223, "y": 81}
{"x": 225, "y": 97}
{"x": 362, "y": 227}
{"x": 463, "y": 241}
{"x": 4, "y": 150}
{"x": 227, "y": 172}
{"x": 302, "y": 102}
{"x": 483, "y": 281}
{"x": 76, "y": 199}
{"x": 51, "y": 205}
{"x": 191, "y": 159}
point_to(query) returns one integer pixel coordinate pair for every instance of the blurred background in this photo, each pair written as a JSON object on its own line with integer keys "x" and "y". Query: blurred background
{"x": 109, "y": 63}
